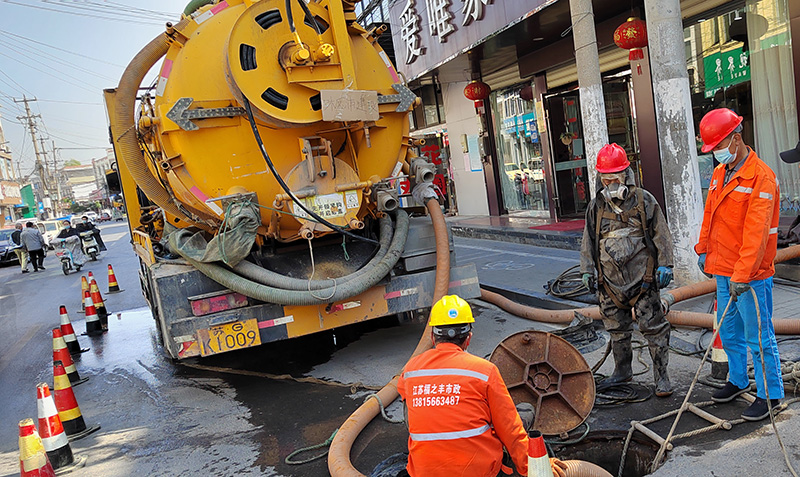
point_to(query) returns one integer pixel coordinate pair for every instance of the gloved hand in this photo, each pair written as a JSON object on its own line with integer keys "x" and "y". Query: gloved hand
{"x": 586, "y": 279}
{"x": 701, "y": 262}
{"x": 738, "y": 289}
{"x": 559, "y": 468}
{"x": 663, "y": 276}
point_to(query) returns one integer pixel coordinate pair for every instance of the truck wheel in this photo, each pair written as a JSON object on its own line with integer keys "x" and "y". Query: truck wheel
{"x": 65, "y": 268}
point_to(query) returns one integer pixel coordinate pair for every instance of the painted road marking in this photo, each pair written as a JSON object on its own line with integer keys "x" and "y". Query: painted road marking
{"x": 12, "y": 353}
{"x": 114, "y": 237}
{"x": 520, "y": 254}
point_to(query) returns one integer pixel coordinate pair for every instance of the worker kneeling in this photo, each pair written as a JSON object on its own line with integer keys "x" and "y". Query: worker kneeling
{"x": 459, "y": 412}
{"x": 626, "y": 240}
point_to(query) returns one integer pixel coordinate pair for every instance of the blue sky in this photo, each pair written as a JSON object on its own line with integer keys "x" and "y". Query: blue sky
{"x": 64, "y": 53}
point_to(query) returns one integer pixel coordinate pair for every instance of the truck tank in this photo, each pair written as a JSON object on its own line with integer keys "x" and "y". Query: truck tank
{"x": 261, "y": 170}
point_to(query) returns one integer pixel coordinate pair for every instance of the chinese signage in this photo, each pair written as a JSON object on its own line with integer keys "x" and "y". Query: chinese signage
{"x": 725, "y": 69}
{"x": 431, "y": 31}
{"x": 9, "y": 193}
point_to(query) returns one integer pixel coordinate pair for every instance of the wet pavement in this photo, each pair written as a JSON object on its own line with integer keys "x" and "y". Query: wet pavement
{"x": 243, "y": 413}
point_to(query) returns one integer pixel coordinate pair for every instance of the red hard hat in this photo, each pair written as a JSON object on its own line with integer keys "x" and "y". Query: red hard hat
{"x": 716, "y": 125}
{"x": 612, "y": 158}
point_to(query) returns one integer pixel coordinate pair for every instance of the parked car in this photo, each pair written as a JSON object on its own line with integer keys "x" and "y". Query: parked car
{"x": 104, "y": 217}
{"x": 7, "y": 254}
{"x": 51, "y": 230}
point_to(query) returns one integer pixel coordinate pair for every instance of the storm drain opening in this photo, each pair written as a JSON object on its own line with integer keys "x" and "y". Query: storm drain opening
{"x": 604, "y": 448}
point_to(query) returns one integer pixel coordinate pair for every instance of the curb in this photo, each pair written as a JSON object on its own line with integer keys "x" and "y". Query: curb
{"x": 565, "y": 241}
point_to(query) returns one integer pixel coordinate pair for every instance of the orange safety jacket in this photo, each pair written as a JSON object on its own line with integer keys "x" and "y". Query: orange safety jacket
{"x": 460, "y": 416}
{"x": 740, "y": 225}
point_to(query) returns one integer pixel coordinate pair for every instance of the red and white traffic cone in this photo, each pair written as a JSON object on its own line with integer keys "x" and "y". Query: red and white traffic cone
{"x": 60, "y": 353}
{"x": 538, "y": 461}
{"x": 93, "y": 326}
{"x": 67, "y": 405}
{"x": 54, "y": 439}
{"x": 84, "y": 289}
{"x": 113, "y": 286}
{"x": 33, "y": 460}
{"x": 69, "y": 333}
{"x": 719, "y": 359}
{"x": 99, "y": 305}
{"x": 90, "y": 277}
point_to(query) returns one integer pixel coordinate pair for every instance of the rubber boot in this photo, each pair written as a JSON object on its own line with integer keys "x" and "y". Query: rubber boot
{"x": 660, "y": 356}
{"x": 623, "y": 356}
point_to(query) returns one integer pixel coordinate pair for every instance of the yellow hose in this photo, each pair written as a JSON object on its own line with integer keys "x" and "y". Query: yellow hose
{"x": 580, "y": 468}
{"x": 339, "y": 464}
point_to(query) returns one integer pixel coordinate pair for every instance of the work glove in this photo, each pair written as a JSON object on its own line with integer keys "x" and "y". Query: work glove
{"x": 701, "y": 262}
{"x": 738, "y": 289}
{"x": 663, "y": 276}
{"x": 559, "y": 468}
{"x": 586, "y": 279}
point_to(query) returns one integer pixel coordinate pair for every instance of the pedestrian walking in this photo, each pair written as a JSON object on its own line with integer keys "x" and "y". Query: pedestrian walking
{"x": 34, "y": 242}
{"x": 458, "y": 410}
{"x": 626, "y": 241}
{"x": 20, "y": 251}
{"x": 738, "y": 243}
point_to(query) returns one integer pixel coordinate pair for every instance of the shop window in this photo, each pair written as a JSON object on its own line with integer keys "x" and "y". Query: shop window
{"x": 743, "y": 61}
{"x": 431, "y": 112}
{"x": 519, "y": 152}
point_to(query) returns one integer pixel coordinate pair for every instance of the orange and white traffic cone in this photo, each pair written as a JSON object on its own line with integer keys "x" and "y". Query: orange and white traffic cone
{"x": 113, "y": 286}
{"x": 84, "y": 289}
{"x": 90, "y": 276}
{"x": 60, "y": 353}
{"x": 69, "y": 333}
{"x": 33, "y": 460}
{"x": 538, "y": 461}
{"x": 54, "y": 439}
{"x": 719, "y": 359}
{"x": 93, "y": 326}
{"x": 67, "y": 405}
{"x": 99, "y": 305}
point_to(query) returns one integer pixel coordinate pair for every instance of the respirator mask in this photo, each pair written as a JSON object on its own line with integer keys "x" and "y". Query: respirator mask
{"x": 615, "y": 190}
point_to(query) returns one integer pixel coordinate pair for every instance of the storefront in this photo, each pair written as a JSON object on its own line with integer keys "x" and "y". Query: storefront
{"x": 10, "y": 198}
{"x": 532, "y": 161}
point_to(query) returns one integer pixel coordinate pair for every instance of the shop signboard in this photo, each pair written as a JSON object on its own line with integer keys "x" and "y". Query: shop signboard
{"x": 431, "y": 32}
{"x": 725, "y": 69}
{"x": 10, "y": 193}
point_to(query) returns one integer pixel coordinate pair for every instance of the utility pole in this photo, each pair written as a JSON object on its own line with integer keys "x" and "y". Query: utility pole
{"x": 682, "y": 194}
{"x": 593, "y": 105}
{"x": 28, "y": 120}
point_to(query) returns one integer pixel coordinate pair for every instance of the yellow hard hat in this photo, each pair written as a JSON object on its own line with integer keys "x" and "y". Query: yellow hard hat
{"x": 451, "y": 310}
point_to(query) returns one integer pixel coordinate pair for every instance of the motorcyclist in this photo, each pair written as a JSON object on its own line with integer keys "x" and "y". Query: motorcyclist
{"x": 627, "y": 242}
{"x": 68, "y": 231}
{"x": 74, "y": 246}
{"x": 87, "y": 226}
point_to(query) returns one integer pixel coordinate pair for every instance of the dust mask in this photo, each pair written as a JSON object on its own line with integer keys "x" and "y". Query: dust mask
{"x": 725, "y": 156}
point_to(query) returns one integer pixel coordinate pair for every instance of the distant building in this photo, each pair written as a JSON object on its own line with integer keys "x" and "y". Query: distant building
{"x": 80, "y": 181}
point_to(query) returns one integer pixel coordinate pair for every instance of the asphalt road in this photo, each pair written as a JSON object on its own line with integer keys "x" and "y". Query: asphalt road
{"x": 237, "y": 414}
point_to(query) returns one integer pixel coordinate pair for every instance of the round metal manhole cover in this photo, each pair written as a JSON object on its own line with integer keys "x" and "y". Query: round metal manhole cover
{"x": 548, "y": 372}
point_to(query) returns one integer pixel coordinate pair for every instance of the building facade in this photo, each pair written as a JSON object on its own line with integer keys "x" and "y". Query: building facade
{"x": 525, "y": 146}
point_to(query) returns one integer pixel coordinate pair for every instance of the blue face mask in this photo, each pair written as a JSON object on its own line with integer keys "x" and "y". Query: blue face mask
{"x": 725, "y": 156}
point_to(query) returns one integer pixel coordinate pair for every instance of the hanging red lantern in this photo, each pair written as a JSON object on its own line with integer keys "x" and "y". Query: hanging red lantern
{"x": 632, "y": 35}
{"x": 526, "y": 93}
{"x": 477, "y": 91}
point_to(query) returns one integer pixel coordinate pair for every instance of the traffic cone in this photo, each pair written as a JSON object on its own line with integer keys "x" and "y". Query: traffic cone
{"x": 33, "y": 460}
{"x": 54, "y": 439}
{"x": 90, "y": 276}
{"x": 113, "y": 286}
{"x": 67, "y": 405}
{"x": 719, "y": 359}
{"x": 84, "y": 289}
{"x": 69, "y": 333}
{"x": 538, "y": 461}
{"x": 99, "y": 305}
{"x": 93, "y": 326}
{"x": 60, "y": 353}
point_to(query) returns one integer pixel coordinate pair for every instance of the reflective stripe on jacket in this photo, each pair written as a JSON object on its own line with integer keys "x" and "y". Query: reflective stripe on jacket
{"x": 460, "y": 416}
{"x": 740, "y": 224}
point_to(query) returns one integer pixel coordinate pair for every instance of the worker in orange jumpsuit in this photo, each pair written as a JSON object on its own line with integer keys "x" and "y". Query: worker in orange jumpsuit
{"x": 738, "y": 243}
{"x": 459, "y": 412}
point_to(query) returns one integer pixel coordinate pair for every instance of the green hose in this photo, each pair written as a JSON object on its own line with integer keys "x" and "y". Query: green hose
{"x": 340, "y": 291}
{"x": 194, "y": 5}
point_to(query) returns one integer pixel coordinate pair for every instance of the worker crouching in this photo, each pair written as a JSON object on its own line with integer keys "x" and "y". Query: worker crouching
{"x": 458, "y": 410}
{"x": 627, "y": 243}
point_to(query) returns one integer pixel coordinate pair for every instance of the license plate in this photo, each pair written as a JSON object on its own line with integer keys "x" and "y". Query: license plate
{"x": 219, "y": 339}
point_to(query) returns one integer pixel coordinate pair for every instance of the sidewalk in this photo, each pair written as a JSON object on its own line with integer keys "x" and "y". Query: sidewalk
{"x": 519, "y": 230}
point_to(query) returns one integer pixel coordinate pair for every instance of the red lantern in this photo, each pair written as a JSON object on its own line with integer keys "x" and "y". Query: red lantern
{"x": 632, "y": 35}
{"x": 526, "y": 93}
{"x": 477, "y": 91}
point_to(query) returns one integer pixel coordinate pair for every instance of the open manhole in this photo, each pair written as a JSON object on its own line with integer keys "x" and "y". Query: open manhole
{"x": 604, "y": 448}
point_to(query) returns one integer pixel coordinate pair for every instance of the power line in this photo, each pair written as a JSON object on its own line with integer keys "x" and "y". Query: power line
{"x": 68, "y": 102}
{"x": 39, "y": 55}
{"x": 59, "y": 49}
{"x": 79, "y": 85}
{"x": 102, "y": 17}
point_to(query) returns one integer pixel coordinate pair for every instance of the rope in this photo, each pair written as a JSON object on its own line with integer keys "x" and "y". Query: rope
{"x": 383, "y": 409}
{"x": 327, "y": 443}
{"x": 567, "y": 285}
{"x": 313, "y": 271}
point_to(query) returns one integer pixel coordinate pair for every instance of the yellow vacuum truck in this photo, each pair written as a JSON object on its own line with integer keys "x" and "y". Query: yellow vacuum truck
{"x": 260, "y": 170}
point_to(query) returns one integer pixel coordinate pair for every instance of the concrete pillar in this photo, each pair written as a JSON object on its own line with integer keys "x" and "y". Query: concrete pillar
{"x": 676, "y": 135}
{"x": 593, "y": 108}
